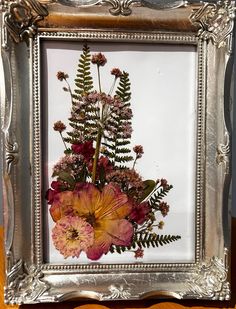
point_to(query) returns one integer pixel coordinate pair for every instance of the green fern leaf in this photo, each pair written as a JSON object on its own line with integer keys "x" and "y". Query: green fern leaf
{"x": 146, "y": 240}
{"x": 157, "y": 196}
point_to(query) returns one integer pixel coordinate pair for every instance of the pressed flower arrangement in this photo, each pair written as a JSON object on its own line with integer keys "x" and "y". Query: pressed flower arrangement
{"x": 99, "y": 202}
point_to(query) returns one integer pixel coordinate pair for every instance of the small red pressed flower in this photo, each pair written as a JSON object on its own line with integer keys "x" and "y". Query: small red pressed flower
{"x": 86, "y": 149}
{"x": 139, "y": 212}
{"x": 104, "y": 166}
{"x": 59, "y": 126}
{"x": 138, "y": 253}
{"x": 51, "y": 193}
{"x": 62, "y": 75}
{"x": 117, "y": 72}
{"x": 105, "y": 163}
{"x": 99, "y": 59}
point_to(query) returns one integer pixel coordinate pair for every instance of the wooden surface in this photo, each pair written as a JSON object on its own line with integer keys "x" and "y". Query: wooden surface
{"x": 151, "y": 304}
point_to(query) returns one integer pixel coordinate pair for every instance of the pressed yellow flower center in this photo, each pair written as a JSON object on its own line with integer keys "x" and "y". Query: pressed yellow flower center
{"x": 72, "y": 234}
{"x": 91, "y": 219}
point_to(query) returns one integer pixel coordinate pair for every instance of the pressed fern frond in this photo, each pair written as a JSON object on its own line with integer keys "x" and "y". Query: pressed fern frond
{"x": 146, "y": 240}
{"x": 117, "y": 151}
{"x": 85, "y": 124}
{"x": 84, "y": 81}
{"x": 157, "y": 196}
{"x": 123, "y": 89}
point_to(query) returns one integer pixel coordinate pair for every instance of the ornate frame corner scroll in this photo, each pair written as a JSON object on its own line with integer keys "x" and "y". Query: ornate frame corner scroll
{"x": 24, "y": 284}
{"x": 21, "y": 18}
{"x": 211, "y": 280}
{"x": 208, "y": 28}
{"x": 216, "y": 22}
{"x": 123, "y": 7}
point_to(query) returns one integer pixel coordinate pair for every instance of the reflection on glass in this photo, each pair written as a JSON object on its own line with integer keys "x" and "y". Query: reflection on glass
{"x": 78, "y": 2}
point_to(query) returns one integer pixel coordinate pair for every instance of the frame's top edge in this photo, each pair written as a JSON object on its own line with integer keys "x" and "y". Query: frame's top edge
{"x": 142, "y": 18}
{"x": 118, "y": 36}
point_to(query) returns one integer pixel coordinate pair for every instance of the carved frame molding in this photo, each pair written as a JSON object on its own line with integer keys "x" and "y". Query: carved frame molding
{"x": 29, "y": 284}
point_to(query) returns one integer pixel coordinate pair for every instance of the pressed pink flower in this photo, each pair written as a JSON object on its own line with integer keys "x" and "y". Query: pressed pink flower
{"x": 138, "y": 253}
{"x": 126, "y": 113}
{"x": 70, "y": 163}
{"x": 62, "y": 75}
{"x": 117, "y": 102}
{"x": 71, "y": 235}
{"x": 127, "y": 130}
{"x": 105, "y": 211}
{"x": 92, "y": 97}
{"x": 126, "y": 177}
{"x": 140, "y": 212}
{"x": 99, "y": 59}
{"x": 107, "y": 100}
{"x": 59, "y": 126}
{"x": 117, "y": 72}
{"x": 86, "y": 149}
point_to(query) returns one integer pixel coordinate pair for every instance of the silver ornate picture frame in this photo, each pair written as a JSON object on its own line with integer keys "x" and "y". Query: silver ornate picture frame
{"x": 199, "y": 35}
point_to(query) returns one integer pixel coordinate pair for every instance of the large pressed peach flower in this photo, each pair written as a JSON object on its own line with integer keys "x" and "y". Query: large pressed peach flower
{"x": 105, "y": 211}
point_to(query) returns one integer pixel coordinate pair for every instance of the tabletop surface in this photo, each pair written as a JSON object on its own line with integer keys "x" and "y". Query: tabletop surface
{"x": 151, "y": 304}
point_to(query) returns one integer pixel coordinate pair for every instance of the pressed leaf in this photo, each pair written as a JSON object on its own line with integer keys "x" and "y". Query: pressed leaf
{"x": 157, "y": 196}
{"x": 64, "y": 176}
{"x": 149, "y": 186}
{"x": 146, "y": 240}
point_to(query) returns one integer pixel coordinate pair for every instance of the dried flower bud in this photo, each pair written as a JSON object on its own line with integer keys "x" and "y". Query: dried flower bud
{"x": 62, "y": 75}
{"x": 59, "y": 126}
{"x": 117, "y": 72}
{"x": 138, "y": 253}
{"x": 160, "y": 225}
{"x": 99, "y": 59}
{"x": 103, "y": 149}
{"x": 164, "y": 208}
{"x": 164, "y": 183}
{"x": 138, "y": 149}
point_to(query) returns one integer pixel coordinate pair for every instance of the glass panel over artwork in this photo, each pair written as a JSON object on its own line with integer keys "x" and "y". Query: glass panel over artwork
{"x": 119, "y": 136}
